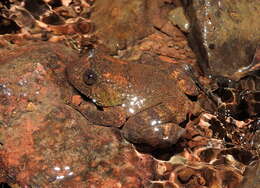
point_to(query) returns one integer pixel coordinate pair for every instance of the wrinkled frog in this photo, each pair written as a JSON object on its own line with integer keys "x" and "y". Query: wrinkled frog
{"x": 147, "y": 102}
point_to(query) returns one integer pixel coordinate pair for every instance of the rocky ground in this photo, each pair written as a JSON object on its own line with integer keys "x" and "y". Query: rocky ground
{"x": 205, "y": 53}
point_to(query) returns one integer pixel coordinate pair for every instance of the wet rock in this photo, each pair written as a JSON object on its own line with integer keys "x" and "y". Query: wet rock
{"x": 195, "y": 175}
{"x": 224, "y": 33}
{"x": 206, "y": 176}
{"x": 45, "y": 142}
{"x": 170, "y": 46}
{"x": 177, "y": 17}
{"x": 122, "y": 23}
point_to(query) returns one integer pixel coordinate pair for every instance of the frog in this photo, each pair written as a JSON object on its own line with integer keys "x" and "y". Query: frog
{"x": 148, "y": 103}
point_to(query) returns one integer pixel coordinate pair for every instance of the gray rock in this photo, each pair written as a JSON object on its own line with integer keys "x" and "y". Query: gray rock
{"x": 224, "y": 33}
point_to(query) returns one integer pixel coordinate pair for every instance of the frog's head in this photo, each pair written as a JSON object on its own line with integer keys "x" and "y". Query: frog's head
{"x": 101, "y": 78}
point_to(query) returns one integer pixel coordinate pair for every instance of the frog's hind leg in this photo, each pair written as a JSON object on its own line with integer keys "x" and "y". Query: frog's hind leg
{"x": 156, "y": 126}
{"x": 160, "y": 136}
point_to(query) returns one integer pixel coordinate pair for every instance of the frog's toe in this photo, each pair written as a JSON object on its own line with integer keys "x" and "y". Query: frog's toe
{"x": 157, "y": 136}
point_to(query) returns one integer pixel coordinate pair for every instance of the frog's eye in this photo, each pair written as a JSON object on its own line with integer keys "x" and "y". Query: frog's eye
{"x": 89, "y": 77}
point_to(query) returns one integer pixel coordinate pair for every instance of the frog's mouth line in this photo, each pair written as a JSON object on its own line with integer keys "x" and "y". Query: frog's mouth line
{"x": 87, "y": 99}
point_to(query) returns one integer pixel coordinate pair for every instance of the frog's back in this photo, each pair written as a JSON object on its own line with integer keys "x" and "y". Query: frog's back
{"x": 152, "y": 83}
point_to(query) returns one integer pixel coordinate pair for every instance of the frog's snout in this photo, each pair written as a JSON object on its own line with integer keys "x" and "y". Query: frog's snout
{"x": 89, "y": 77}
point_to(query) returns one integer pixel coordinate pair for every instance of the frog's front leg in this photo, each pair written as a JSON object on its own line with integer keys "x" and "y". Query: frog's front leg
{"x": 156, "y": 126}
{"x": 109, "y": 116}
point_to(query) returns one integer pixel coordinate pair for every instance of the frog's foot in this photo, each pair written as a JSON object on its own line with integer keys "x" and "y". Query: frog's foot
{"x": 155, "y": 134}
{"x": 107, "y": 117}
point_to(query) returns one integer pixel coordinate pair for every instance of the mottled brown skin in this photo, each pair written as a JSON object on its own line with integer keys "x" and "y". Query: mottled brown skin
{"x": 150, "y": 97}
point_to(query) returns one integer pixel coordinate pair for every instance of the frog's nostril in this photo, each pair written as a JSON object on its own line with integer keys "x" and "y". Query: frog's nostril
{"x": 89, "y": 77}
